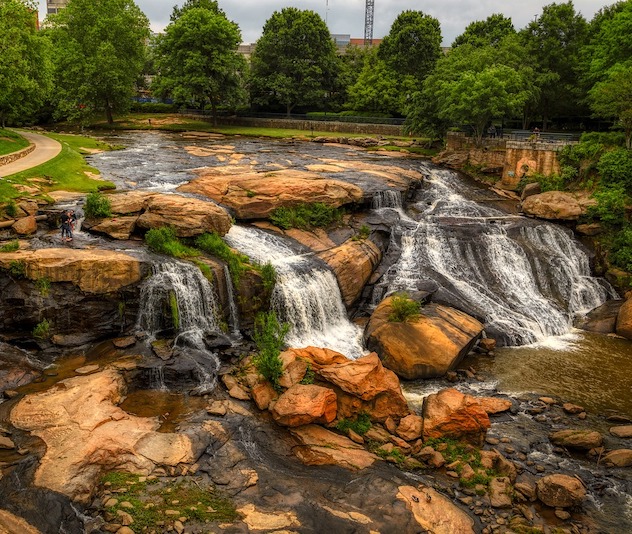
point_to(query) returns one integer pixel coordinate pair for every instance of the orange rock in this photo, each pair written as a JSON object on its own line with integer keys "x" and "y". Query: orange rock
{"x": 305, "y": 404}
{"x": 560, "y": 491}
{"x": 263, "y": 394}
{"x": 25, "y": 225}
{"x": 624, "y": 320}
{"x": 318, "y": 357}
{"x": 293, "y": 369}
{"x": 410, "y": 427}
{"x": 494, "y": 405}
{"x": 452, "y": 414}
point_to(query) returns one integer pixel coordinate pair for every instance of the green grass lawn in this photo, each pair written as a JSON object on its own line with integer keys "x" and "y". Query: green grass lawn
{"x": 11, "y": 141}
{"x": 66, "y": 172}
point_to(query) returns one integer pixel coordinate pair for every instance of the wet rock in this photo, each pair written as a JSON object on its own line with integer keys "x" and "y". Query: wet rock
{"x": 591, "y": 229}
{"x": 121, "y": 227}
{"x": 425, "y": 347}
{"x": 124, "y": 342}
{"x": 624, "y": 320}
{"x": 572, "y": 409}
{"x": 618, "y": 458}
{"x": 87, "y": 369}
{"x": 452, "y": 414}
{"x": 305, "y": 404}
{"x": 603, "y": 319}
{"x": 488, "y": 344}
{"x": 318, "y": 446}
{"x": 162, "y": 348}
{"x": 560, "y": 491}
{"x": 6, "y": 443}
{"x": 576, "y": 439}
{"x": 494, "y": 405}
{"x": 622, "y": 431}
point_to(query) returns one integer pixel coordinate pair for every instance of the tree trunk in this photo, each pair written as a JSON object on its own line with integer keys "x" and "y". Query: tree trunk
{"x": 108, "y": 112}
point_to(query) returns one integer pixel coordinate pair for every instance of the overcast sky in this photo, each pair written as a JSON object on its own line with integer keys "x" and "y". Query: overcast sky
{"x": 347, "y": 16}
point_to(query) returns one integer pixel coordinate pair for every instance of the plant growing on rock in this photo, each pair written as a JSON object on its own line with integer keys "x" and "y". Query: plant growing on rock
{"x": 268, "y": 275}
{"x": 213, "y": 244}
{"x": 11, "y": 246}
{"x": 164, "y": 241}
{"x": 362, "y": 234}
{"x": 11, "y": 209}
{"x": 42, "y": 330}
{"x": 360, "y": 425}
{"x": 175, "y": 313}
{"x": 43, "y": 286}
{"x": 403, "y": 308}
{"x": 269, "y": 335}
{"x": 97, "y": 206}
{"x": 17, "y": 268}
{"x": 306, "y": 216}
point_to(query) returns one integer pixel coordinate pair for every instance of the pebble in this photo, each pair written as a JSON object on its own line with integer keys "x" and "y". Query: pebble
{"x": 492, "y": 441}
{"x": 505, "y": 440}
{"x": 172, "y": 512}
{"x": 10, "y": 393}
{"x": 178, "y": 527}
{"x": 111, "y": 502}
{"x": 562, "y": 514}
{"x": 540, "y": 468}
{"x": 87, "y": 369}
{"x": 540, "y": 418}
{"x": 127, "y": 504}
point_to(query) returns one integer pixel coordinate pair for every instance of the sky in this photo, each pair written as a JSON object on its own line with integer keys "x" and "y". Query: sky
{"x": 347, "y": 16}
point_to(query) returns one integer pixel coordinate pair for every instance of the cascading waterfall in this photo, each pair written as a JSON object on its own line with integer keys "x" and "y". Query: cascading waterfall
{"x": 525, "y": 280}
{"x": 178, "y": 296}
{"x": 306, "y": 294}
{"x": 233, "y": 314}
{"x": 386, "y": 199}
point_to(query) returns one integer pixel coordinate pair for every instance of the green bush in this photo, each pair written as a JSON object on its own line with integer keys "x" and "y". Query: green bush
{"x": 97, "y": 206}
{"x": 173, "y": 306}
{"x": 42, "y": 330}
{"x": 611, "y": 203}
{"x": 17, "y": 268}
{"x": 362, "y": 234}
{"x": 12, "y": 246}
{"x": 163, "y": 240}
{"x": 213, "y": 244}
{"x": 403, "y": 309}
{"x": 268, "y": 275}
{"x": 269, "y": 335}
{"x": 621, "y": 249}
{"x": 306, "y": 216}
{"x": 615, "y": 167}
{"x": 11, "y": 209}
{"x": 43, "y": 285}
{"x": 360, "y": 425}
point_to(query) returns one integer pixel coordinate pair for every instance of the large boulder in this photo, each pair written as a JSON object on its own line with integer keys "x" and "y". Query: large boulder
{"x": 618, "y": 458}
{"x": 560, "y": 491}
{"x": 303, "y": 404}
{"x": 425, "y": 347}
{"x": 255, "y": 195}
{"x": 452, "y": 414}
{"x": 624, "y": 320}
{"x": 87, "y": 434}
{"x": 353, "y": 263}
{"x": 603, "y": 319}
{"x": 25, "y": 225}
{"x": 577, "y": 439}
{"x": 557, "y": 205}
{"x": 318, "y": 357}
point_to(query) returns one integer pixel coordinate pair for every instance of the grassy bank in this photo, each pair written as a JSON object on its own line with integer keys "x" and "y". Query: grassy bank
{"x": 68, "y": 171}
{"x": 11, "y": 141}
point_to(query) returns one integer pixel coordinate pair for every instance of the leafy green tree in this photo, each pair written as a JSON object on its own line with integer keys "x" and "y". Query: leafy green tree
{"x": 612, "y": 98}
{"x": 99, "y": 52}
{"x": 413, "y": 44}
{"x": 25, "y": 74}
{"x": 553, "y": 42}
{"x": 490, "y": 31}
{"x": 197, "y": 59}
{"x": 294, "y": 62}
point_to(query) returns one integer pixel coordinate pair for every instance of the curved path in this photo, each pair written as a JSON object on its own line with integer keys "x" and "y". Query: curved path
{"x": 45, "y": 149}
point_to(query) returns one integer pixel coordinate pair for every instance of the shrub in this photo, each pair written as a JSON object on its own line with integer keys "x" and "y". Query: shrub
{"x": 611, "y": 202}
{"x": 42, "y": 330}
{"x": 403, "y": 308}
{"x": 11, "y": 209}
{"x": 17, "y": 268}
{"x": 213, "y": 244}
{"x": 621, "y": 249}
{"x": 269, "y": 335}
{"x": 309, "y": 376}
{"x": 43, "y": 285}
{"x": 615, "y": 167}
{"x": 97, "y": 206}
{"x": 268, "y": 275}
{"x": 12, "y": 246}
{"x": 153, "y": 107}
{"x": 306, "y": 216}
{"x": 362, "y": 234}
{"x": 360, "y": 425}
{"x": 163, "y": 240}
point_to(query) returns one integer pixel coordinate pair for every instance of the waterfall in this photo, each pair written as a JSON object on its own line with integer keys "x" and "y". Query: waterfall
{"x": 233, "y": 314}
{"x": 386, "y": 199}
{"x": 526, "y": 280}
{"x": 306, "y": 294}
{"x": 179, "y": 296}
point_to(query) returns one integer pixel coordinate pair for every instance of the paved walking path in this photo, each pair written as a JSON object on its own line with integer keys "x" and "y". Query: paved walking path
{"x": 45, "y": 149}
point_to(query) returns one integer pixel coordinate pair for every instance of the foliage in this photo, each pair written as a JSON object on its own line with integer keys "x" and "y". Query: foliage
{"x": 205, "y": 269}
{"x": 403, "y": 308}
{"x": 294, "y": 62}
{"x": 554, "y": 181}
{"x": 11, "y": 246}
{"x": 360, "y": 425}
{"x": 42, "y": 330}
{"x": 163, "y": 240}
{"x": 99, "y": 53}
{"x": 11, "y": 142}
{"x": 269, "y": 335}
{"x": 268, "y": 276}
{"x": 97, "y": 206}
{"x": 585, "y": 155}
{"x": 306, "y": 216}
{"x": 17, "y": 268}
{"x": 213, "y": 244}
{"x": 612, "y": 98}
{"x": 173, "y": 307}
{"x": 43, "y": 286}
{"x": 611, "y": 204}
{"x": 615, "y": 168}
{"x": 153, "y": 107}
{"x": 363, "y": 233}
{"x": 11, "y": 208}
{"x": 25, "y": 71}
{"x": 197, "y": 59}
{"x": 151, "y": 498}
{"x": 309, "y": 376}
{"x": 488, "y": 32}
{"x": 621, "y": 249}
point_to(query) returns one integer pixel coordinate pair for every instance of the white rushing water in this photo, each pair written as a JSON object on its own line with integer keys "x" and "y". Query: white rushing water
{"x": 528, "y": 281}
{"x": 306, "y": 294}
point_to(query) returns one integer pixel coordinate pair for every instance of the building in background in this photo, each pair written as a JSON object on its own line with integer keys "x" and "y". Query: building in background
{"x": 53, "y": 6}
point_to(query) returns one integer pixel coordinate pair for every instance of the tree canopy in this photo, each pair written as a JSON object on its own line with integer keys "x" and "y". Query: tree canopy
{"x": 294, "y": 62}
{"x": 197, "y": 60}
{"x": 24, "y": 61}
{"x": 490, "y": 31}
{"x": 99, "y": 51}
{"x": 612, "y": 98}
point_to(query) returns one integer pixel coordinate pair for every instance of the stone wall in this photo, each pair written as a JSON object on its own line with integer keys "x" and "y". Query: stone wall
{"x": 14, "y": 156}
{"x": 307, "y": 125}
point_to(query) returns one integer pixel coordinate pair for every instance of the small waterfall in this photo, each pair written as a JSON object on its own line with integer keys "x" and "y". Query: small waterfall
{"x": 233, "y": 314}
{"x": 157, "y": 378}
{"x": 306, "y": 294}
{"x": 525, "y": 280}
{"x": 387, "y": 199}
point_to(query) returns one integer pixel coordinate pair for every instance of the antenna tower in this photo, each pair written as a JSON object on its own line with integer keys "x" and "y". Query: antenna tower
{"x": 368, "y": 22}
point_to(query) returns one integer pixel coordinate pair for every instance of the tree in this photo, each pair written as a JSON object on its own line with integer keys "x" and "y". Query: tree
{"x": 554, "y": 41}
{"x": 413, "y": 44}
{"x": 294, "y": 61}
{"x": 490, "y": 31}
{"x": 99, "y": 51}
{"x": 197, "y": 59}
{"x": 612, "y": 98}
{"x": 24, "y": 61}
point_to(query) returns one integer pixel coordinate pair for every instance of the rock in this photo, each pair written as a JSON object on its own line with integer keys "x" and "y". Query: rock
{"x": 603, "y": 319}
{"x": 500, "y": 492}
{"x": 162, "y": 348}
{"x": 305, "y": 404}
{"x": 534, "y": 188}
{"x": 557, "y": 205}
{"x": 410, "y": 427}
{"x": 495, "y": 461}
{"x": 434, "y": 512}
{"x": 268, "y": 521}
{"x": 493, "y": 405}
{"x": 318, "y": 446}
{"x": 87, "y": 369}
{"x": 124, "y": 342}
{"x": 318, "y": 357}
{"x": 124, "y": 530}
{"x": 294, "y": 369}
{"x": 577, "y": 439}
{"x": 263, "y": 394}
{"x": 353, "y": 263}
{"x": 624, "y": 320}
{"x": 487, "y": 343}
{"x": 25, "y": 225}
{"x": 618, "y": 458}
{"x": 6, "y": 443}
{"x": 452, "y": 414}
{"x": 12, "y": 524}
{"x": 121, "y": 227}
{"x": 91, "y": 270}
{"x": 255, "y": 195}
{"x": 425, "y": 347}
{"x": 621, "y": 431}
{"x": 217, "y": 408}
{"x": 560, "y": 491}
{"x": 431, "y": 457}
{"x": 591, "y": 229}
{"x": 572, "y": 409}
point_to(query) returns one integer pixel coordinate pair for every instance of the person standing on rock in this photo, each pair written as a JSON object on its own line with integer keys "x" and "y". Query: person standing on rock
{"x": 66, "y": 231}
